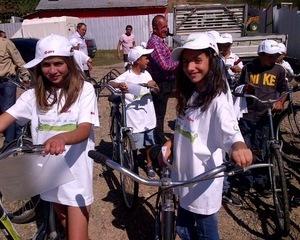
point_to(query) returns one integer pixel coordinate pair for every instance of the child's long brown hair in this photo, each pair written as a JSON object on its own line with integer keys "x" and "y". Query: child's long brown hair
{"x": 46, "y": 93}
{"x": 215, "y": 84}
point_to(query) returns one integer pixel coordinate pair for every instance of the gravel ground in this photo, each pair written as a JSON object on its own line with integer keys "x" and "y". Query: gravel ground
{"x": 110, "y": 219}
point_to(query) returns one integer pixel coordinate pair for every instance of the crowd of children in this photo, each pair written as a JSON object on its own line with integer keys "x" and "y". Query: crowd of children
{"x": 62, "y": 108}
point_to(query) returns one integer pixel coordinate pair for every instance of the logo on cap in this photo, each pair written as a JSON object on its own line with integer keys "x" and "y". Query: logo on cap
{"x": 49, "y": 51}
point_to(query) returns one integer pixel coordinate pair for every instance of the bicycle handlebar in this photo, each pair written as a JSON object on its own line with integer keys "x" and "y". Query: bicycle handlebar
{"x": 269, "y": 101}
{"x": 23, "y": 149}
{"x": 290, "y": 77}
{"x": 226, "y": 168}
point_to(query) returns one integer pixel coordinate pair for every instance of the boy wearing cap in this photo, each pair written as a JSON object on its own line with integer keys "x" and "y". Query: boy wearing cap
{"x": 140, "y": 113}
{"x": 266, "y": 80}
{"x": 284, "y": 64}
{"x": 232, "y": 62}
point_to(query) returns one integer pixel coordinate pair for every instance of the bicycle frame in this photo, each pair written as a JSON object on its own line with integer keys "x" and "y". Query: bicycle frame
{"x": 166, "y": 184}
{"x": 276, "y": 172}
{"x": 123, "y": 144}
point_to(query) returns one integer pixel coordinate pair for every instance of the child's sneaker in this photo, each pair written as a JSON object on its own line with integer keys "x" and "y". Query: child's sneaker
{"x": 150, "y": 172}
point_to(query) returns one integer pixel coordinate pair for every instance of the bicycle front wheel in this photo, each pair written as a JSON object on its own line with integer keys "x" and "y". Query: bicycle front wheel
{"x": 288, "y": 131}
{"x": 165, "y": 219}
{"x": 280, "y": 195}
{"x": 129, "y": 187}
{"x": 20, "y": 211}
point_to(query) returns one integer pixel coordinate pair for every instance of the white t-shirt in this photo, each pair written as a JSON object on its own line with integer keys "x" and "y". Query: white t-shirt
{"x": 230, "y": 60}
{"x": 82, "y": 43}
{"x": 199, "y": 139}
{"x": 126, "y": 42}
{"x": 81, "y": 59}
{"x": 44, "y": 125}
{"x": 82, "y": 46}
{"x": 287, "y": 68}
{"x": 140, "y": 113}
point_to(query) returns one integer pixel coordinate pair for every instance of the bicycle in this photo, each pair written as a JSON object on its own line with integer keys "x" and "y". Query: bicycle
{"x": 123, "y": 144}
{"x": 165, "y": 202}
{"x": 99, "y": 85}
{"x": 47, "y": 229}
{"x": 276, "y": 172}
{"x": 288, "y": 123}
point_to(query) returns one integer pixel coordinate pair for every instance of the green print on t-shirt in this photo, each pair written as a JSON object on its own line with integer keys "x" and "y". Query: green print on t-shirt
{"x": 187, "y": 134}
{"x": 62, "y": 128}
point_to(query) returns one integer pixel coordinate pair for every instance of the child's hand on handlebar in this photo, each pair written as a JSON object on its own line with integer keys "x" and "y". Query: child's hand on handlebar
{"x": 278, "y": 106}
{"x": 55, "y": 145}
{"x": 123, "y": 86}
{"x": 153, "y": 86}
{"x": 241, "y": 155}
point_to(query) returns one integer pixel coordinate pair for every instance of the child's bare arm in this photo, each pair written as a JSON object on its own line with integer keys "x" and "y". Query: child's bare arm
{"x": 122, "y": 85}
{"x": 56, "y": 144}
{"x": 5, "y": 120}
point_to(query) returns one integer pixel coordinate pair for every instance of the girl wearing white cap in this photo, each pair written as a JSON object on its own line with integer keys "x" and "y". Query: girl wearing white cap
{"x": 62, "y": 109}
{"x": 206, "y": 125}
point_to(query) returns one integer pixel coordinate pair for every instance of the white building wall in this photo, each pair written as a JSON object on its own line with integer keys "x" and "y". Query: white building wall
{"x": 107, "y": 30}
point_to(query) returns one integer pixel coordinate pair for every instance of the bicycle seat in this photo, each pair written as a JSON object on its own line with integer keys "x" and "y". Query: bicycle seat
{"x": 114, "y": 99}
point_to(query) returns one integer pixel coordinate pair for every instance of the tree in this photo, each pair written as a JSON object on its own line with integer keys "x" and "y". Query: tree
{"x": 19, "y": 8}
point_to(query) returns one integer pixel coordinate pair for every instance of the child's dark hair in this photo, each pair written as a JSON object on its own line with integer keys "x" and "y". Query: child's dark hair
{"x": 215, "y": 84}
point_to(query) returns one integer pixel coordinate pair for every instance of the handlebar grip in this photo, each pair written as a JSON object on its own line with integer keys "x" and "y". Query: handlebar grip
{"x": 97, "y": 156}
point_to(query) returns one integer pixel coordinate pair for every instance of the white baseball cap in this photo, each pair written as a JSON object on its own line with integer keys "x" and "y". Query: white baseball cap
{"x": 282, "y": 48}
{"x": 196, "y": 41}
{"x": 214, "y": 34}
{"x": 268, "y": 46}
{"x": 225, "y": 38}
{"x": 136, "y": 52}
{"x": 74, "y": 42}
{"x": 52, "y": 45}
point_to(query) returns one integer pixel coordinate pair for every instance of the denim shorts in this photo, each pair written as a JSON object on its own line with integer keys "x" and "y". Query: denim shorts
{"x": 143, "y": 139}
{"x": 192, "y": 226}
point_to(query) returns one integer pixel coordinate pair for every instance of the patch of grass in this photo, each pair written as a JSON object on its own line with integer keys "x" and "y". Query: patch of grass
{"x": 106, "y": 57}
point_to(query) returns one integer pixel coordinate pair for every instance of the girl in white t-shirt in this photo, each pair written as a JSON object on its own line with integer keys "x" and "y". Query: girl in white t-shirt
{"x": 206, "y": 125}
{"x": 140, "y": 112}
{"x": 62, "y": 109}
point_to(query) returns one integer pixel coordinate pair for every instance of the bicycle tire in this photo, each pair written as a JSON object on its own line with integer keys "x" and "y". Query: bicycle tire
{"x": 20, "y": 211}
{"x": 114, "y": 130}
{"x": 129, "y": 187}
{"x": 288, "y": 131}
{"x": 280, "y": 195}
{"x": 165, "y": 221}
